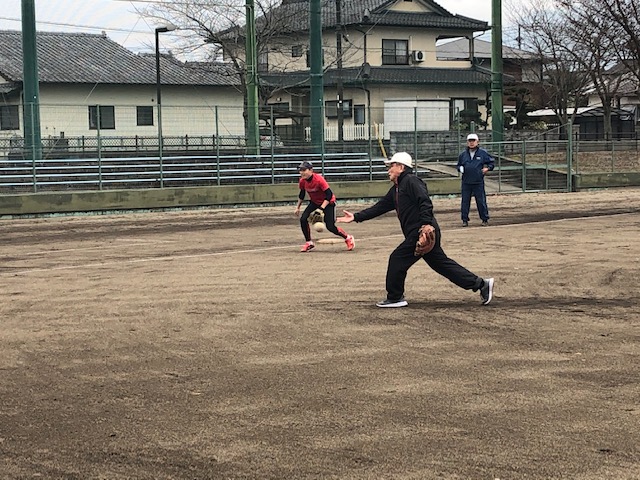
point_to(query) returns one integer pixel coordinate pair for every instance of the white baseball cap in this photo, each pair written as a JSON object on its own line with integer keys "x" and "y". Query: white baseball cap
{"x": 472, "y": 136}
{"x": 401, "y": 157}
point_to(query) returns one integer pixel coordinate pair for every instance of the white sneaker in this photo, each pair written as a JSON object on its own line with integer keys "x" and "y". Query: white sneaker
{"x": 386, "y": 303}
{"x": 486, "y": 292}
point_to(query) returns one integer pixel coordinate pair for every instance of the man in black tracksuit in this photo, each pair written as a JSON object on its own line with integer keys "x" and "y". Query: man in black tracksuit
{"x": 410, "y": 198}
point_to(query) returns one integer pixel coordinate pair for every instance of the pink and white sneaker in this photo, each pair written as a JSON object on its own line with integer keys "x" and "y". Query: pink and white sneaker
{"x": 350, "y": 241}
{"x": 307, "y": 246}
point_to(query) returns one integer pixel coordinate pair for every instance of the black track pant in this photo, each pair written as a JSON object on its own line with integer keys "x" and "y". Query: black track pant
{"x": 329, "y": 220}
{"x": 402, "y": 258}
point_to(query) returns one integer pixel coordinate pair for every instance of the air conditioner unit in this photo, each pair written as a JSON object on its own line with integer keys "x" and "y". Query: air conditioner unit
{"x": 417, "y": 56}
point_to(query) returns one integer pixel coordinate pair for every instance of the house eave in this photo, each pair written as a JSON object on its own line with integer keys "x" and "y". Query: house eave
{"x": 367, "y": 75}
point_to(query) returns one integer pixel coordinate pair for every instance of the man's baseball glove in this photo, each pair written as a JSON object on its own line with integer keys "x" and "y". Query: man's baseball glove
{"x": 316, "y": 216}
{"x": 426, "y": 240}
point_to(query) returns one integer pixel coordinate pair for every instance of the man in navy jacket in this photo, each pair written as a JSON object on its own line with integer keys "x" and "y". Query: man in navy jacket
{"x": 474, "y": 162}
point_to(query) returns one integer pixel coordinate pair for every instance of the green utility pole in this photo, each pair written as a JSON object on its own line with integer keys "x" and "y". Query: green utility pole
{"x": 339, "y": 84}
{"x": 497, "y": 113}
{"x": 253, "y": 128}
{"x": 317, "y": 92}
{"x": 31, "y": 91}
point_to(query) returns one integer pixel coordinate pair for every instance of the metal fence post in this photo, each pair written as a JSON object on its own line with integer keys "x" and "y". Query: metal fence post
{"x": 99, "y": 146}
{"x": 613, "y": 156}
{"x": 217, "y": 146}
{"x": 370, "y": 133}
{"x": 33, "y": 148}
{"x": 271, "y": 136}
{"x": 546, "y": 163}
{"x": 460, "y": 147}
{"x": 499, "y": 169}
{"x": 415, "y": 135}
{"x": 569, "y": 159}
{"x": 524, "y": 156}
{"x": 524, "y": 171}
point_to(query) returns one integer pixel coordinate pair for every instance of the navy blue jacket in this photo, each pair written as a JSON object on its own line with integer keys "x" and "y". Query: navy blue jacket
{"x": 473, "y": 166}
{"x": 411, "y": 201}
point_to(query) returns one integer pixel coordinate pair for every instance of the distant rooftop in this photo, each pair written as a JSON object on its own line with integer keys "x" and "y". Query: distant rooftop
{"x": 369, "y": 13}
{"x": 83, "y": 58}
{"x": 459, "y": 49}
{"x": 385, "y": 75}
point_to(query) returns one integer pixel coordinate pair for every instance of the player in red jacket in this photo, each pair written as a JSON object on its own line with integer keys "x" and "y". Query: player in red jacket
{"x": 320, "y": 196}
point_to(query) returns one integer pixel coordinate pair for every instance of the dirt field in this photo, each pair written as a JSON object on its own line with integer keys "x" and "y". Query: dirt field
{"x": 203, "y": 345}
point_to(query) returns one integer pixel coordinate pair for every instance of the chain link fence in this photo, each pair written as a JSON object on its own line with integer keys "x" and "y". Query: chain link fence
{"x": 107, "y": 147}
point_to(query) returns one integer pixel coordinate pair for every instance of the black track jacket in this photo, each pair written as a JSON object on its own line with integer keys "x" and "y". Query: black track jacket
{"x": 411, "y": 201}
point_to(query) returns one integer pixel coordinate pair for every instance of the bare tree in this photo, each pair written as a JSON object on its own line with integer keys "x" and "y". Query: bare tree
{"x": 218, "y": 28}
{"x": 564, "y": 78}
{"x": 623, "y": 18}
{"x": 592, "y": 46}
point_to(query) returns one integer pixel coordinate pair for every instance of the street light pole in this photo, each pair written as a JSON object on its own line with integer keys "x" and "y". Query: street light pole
{"x": 497, "y": 111}
{"x": 160, "y": 30}
{"x": 339, "y": 85}
{"x": 317, "y": 86}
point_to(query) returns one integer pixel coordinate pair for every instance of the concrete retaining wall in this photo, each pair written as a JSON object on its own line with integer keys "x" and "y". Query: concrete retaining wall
{"x": 189, "y": 197}
{"x": 586, "y": 181}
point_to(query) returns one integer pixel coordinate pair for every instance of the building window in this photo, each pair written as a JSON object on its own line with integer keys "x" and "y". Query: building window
{"x": 144, "y": 116}
{"x": 331, "y": 109}
{"x": 308, "y": 55}
{"x": 464, "y": 111}
{"x": 9, "y": 117}
{"x": 359, "y": 114}
{"x": 297, "y": 51}
{"x": 107, "y": 117}
{"x": 395, "y": 52}
{"x": 263, "y": 62}
{"x": 460, "y": 104}
{"x": 278, "y": 106}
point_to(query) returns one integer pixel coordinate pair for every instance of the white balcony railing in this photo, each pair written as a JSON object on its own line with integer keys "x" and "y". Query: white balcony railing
{"x": 350, "y": 132}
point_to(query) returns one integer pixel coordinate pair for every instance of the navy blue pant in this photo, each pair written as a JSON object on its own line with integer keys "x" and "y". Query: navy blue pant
{"x": 402, "y": 258}
{"x": 477, "y": 190}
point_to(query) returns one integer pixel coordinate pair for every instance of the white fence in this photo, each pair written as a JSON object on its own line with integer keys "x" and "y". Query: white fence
{"x": 350, "y": 132}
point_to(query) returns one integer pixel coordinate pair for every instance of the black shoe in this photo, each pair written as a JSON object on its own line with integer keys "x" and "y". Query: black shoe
{"x": 465, "y": 224}
{"x": 485, "y": 223}
{"x": 386, "y": 303}
{"x": 486, "y": 292}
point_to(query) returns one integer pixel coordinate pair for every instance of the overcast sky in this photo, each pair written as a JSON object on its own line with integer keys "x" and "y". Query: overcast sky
{"x": 122, "y": 22}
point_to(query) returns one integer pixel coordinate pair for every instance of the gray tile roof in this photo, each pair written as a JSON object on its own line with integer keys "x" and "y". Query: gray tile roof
{"x": 397, "y": 75}
{"x": 482, "y": 49}
{"x": 369, "y": 13}
{"x": 8, "y": 87}
{"x": 83, "y": 58}
{"x": 629, "y": 83}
